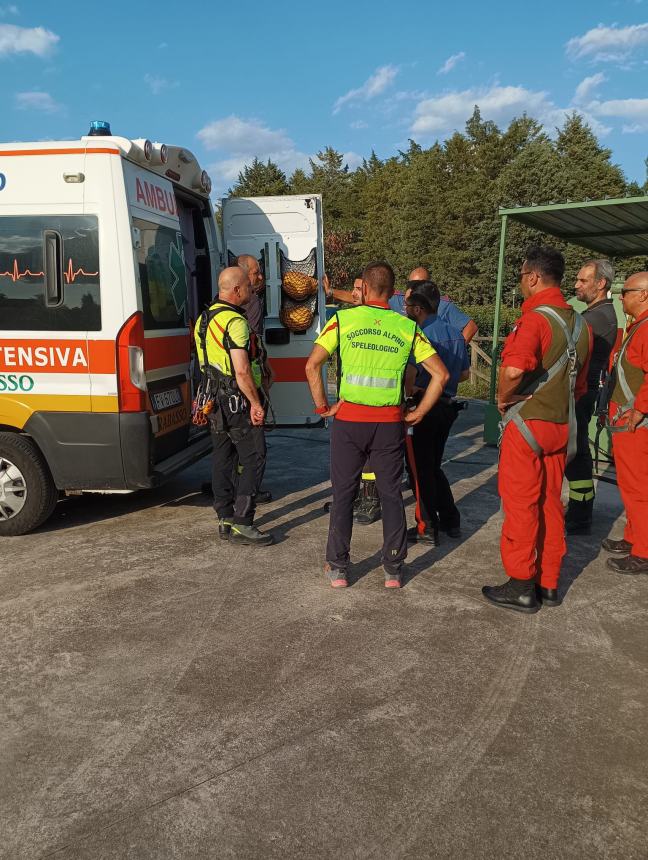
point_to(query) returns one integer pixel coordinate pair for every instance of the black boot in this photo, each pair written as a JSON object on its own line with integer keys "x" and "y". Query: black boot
{"x": 368, "y": 511}
{"x": 224, "y": 529}
{"x": 516, "y": 594}
{"x": 578, "y": 518}
{"x": 249, "y": 536}
{"x": 547, "y": 596}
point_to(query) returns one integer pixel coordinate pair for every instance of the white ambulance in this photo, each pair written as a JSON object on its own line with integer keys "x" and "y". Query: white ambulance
{"x": 108, "y": 252}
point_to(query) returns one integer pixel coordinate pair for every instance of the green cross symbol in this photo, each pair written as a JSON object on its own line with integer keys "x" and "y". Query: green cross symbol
{"x": 177, "y": 268}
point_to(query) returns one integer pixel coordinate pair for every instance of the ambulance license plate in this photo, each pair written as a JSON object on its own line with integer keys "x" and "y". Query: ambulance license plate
{"x": 162, "y": 400}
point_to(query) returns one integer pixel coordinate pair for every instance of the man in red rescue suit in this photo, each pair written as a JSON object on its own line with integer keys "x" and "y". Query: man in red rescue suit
{"x": 628, "y": 384}
{"x": 544, "y": 369}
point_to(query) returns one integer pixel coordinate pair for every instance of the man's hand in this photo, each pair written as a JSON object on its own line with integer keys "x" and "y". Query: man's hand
{"x": 331, "y": 411}
{"x": 414, "y": 417}
{"x": 502, "y": 406}
{"x": 634, "y": 418}
{"x": 327, "y": 286}
{"x": 257, "y": 414}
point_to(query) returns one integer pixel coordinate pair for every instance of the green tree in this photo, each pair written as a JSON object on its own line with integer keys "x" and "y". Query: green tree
{"x": 260, "y": 179}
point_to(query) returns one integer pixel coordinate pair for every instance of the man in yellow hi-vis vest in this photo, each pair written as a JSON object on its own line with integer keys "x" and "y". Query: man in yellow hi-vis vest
{"x": 373, "y": 344}
{"x": 229, "y": 360}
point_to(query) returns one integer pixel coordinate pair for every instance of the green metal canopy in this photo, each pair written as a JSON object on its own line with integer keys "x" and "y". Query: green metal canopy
{"x": 615, "y": 228}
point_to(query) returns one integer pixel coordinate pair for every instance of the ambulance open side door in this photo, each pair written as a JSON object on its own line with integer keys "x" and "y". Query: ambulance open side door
{"x": 284, "y": 234}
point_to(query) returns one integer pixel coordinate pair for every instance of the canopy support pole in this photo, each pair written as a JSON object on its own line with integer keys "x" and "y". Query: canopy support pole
{"x": 491, "y": 423}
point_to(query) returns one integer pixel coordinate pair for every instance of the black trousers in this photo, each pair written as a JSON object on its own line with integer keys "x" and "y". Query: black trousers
{"x": 352, "y": 442}
{"x": 435, "y": 505}
{"x": 580, "y": 468}
{"x": 237, "y": 442}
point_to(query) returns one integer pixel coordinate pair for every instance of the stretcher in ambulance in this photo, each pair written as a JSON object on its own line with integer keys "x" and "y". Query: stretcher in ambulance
{"x": 285, "y": 234}
{"x": 108, "y": 250}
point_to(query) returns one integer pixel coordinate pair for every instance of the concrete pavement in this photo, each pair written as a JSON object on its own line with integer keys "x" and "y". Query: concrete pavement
{"x": 168, "y": 695}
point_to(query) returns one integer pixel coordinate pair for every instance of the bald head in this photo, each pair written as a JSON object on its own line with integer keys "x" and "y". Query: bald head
{"x": 638, "y": 281}
{"x": 251, "y": 267}
{"x": 419, "y": 274}
{"x": 634, "y": 295}
{"x": 234, "y": 285}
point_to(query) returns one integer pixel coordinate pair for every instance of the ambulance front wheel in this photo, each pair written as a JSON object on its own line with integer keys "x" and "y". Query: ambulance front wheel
{"x": 27, "y": 492}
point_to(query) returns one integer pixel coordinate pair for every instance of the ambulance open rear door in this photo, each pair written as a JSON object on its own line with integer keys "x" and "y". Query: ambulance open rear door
{"x": 284, "y": 234}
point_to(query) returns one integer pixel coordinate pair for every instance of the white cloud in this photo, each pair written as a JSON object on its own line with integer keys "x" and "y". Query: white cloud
{"x": 25, "y": 40}
{"x": 38, "y": 101}
{"x": 451, "y": 62}
{"x": 6, "y": 11}
{"x": 633, "y": 111}
{"x": 452, "y": 109}
{"x": 449, "y": 111}
{"x": 241, "y": 140}
{"x": 246, "y": 136}
{"x": 608, "y": 44}
{"x": 359, "y": 123}
{"x": 157, "y": 84}
{"x": 352, "y": 160}
{"x": 374, "y": 86}
{"x": 587, "y": 87}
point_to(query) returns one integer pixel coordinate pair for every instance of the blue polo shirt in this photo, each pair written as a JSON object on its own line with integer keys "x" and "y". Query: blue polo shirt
{"x": 448, "y": 310}
{"x": 449, "y": 343}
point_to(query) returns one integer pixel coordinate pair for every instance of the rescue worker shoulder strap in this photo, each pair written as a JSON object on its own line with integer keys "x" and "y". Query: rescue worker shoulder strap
{"x": 570, "y": 355}
{"x": 206, "y": 317}
{"x": 623, "y": 383}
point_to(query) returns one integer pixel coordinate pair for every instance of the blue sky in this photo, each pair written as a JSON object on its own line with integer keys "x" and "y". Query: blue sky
{"x": 282, "y": 79}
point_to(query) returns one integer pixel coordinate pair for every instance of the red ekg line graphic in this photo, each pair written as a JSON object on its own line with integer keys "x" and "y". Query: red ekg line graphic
{"x": 70, "y": 273}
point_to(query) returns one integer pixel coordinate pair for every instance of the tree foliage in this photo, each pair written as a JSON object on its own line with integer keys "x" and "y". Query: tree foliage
{"x": 439, "y": 206}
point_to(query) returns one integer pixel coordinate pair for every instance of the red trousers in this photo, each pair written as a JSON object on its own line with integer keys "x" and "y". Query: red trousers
{"x": 533, "y": 534}
{"x": 631, "y": 460}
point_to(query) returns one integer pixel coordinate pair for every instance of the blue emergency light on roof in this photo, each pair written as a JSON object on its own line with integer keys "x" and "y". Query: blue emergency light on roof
{"x": 99, "y": 128}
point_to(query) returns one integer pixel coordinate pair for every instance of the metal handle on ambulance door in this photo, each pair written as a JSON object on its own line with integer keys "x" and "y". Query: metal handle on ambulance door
{"x": 266, "y": 260}
{"x": 53, "y": 266}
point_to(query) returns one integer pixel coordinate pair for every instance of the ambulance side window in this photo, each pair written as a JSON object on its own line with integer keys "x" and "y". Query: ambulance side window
{"x": 24, "y": 304}
{"x": 162, "y": 275}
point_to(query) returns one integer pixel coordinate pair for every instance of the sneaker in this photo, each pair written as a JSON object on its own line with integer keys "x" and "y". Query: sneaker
{"x": 618, "y": 547}
{"x": 631, "y": 564}
{"x": 393, "y": 578}
{"x": 224, "y": 529}
{"x": 429, "y": 536}
{"x": 337, "y": 576}
{"x": 249, "y": 536}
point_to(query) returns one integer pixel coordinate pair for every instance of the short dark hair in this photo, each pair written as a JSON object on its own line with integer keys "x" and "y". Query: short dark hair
{"x": 426, "y": 294}
{"x": 546, "y": 261}
{"x": 380, "y": 277}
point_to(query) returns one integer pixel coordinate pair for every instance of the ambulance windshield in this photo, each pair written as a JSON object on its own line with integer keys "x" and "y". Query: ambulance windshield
{"x": 162, "y": 275}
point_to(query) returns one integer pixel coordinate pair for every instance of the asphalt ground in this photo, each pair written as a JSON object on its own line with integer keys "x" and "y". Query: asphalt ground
{"x": 166, "y": 695}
